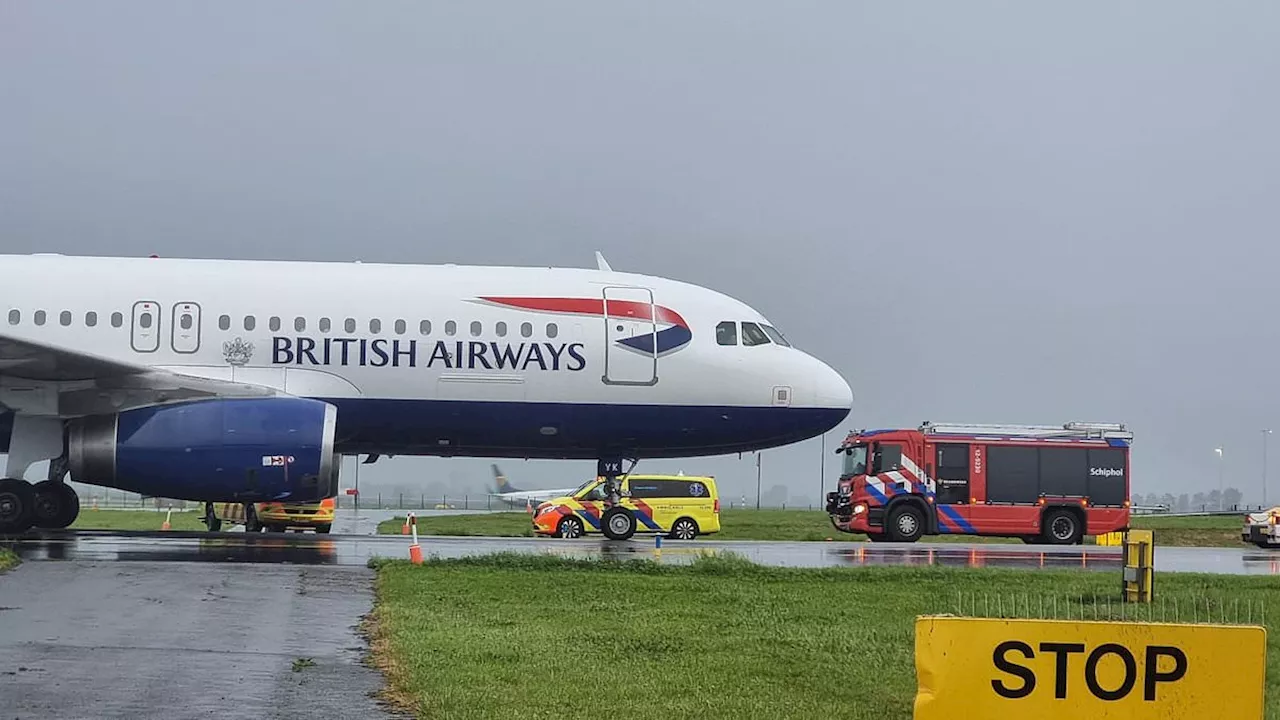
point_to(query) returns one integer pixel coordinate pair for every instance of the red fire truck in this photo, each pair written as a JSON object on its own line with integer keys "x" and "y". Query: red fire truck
{"x": 1042, "y": 483}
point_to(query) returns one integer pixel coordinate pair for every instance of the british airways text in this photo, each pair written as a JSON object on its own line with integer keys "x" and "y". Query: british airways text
{"x": 457, "y": 354}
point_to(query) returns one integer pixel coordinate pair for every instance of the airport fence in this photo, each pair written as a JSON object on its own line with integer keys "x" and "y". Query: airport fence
{"x": 1185, "y": 608}
{"x": 107, "y": 499}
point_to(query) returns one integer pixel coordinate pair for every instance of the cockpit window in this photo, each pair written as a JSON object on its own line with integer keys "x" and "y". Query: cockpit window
{"x": 727, "y": 333}
{"x": 753, "y": 335}
{"x": 775, "y": 336}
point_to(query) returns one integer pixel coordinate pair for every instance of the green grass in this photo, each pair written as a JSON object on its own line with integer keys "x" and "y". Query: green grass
{"x": 90, "y": 519}
{"x": 801, "y": 525}
{"x": 525, "y": 636}
{"x": 8, "y": 560}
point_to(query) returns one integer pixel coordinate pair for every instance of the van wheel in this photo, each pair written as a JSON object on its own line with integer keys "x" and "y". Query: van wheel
{"x": 618, "y": 523}
{"x": 324, "y": 529}
{"x": 1061, "y": 527}
{"x": 569, "y": 527}
{"x": 906, "y": 524}
{"x": 684, "y": 529}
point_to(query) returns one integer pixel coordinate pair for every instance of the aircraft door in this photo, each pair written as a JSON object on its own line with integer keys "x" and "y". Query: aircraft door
{"x": 185, "y": 328}
{"x": 631, "y": 347}
{"x": 144, "y": 328}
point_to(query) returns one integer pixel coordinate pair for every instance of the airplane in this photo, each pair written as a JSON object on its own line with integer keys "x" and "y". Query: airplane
{"x": 247, "y": 380}
{"x": 515, "y": 497}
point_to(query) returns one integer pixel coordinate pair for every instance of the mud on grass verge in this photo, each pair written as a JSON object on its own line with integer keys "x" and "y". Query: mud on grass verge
{"x": 514, "y": 635}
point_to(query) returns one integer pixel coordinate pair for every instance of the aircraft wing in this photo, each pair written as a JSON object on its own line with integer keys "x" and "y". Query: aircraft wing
{"x": 69, "y": 382}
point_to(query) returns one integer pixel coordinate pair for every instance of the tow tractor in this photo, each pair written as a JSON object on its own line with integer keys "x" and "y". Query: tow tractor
{"x": 1262, "y": 528}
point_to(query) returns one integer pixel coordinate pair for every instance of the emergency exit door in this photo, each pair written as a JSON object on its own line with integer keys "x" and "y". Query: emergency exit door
{"x": 185, "y": 328}
{"x": 631, "y": 346}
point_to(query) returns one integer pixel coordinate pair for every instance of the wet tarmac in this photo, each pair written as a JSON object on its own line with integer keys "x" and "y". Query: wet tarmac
{"x": 87, "y": 639}
{"x": 335, "y": 549}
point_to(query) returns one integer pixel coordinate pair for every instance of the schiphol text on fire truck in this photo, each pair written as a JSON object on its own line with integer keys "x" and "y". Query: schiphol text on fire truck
{"x": 1041, "y": 483}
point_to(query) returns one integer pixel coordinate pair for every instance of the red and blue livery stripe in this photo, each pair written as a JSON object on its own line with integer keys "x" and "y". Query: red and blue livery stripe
{"x": 662, "y": 342}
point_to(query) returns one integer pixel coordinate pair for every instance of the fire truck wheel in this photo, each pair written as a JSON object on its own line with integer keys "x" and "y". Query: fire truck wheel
{"x": 906, "y": 524}
{"x": 1061, "y": 527}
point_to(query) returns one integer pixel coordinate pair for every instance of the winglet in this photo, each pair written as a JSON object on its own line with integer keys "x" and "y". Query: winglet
{"x": 601, "y": 263}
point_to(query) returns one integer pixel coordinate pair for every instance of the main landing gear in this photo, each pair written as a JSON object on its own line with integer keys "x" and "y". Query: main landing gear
{"x": 49, "y": 504}
{"x": 617, "y": 522}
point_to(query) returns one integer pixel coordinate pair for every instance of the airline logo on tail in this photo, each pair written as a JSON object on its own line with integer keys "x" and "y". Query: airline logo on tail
{"x": 669, "y": 339}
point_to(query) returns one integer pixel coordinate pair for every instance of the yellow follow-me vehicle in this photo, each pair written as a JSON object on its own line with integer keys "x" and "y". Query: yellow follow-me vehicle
{"x": 271, "y": 516}
{"x": 678, "y": 506}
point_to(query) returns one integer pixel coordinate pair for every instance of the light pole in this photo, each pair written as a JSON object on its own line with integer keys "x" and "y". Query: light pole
{"x": 757, "y": 479}
{"x": 1219, "y": 451}
{"x": 822, "y": 466}
{"x": 1265, "y": 433}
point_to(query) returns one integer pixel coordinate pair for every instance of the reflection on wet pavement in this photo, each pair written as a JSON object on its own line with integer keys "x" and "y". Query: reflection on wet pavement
{"x": 312, "y": 549}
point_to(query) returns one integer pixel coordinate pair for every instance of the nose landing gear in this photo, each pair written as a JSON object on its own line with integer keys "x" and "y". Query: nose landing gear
{"x": 617, "y": 522}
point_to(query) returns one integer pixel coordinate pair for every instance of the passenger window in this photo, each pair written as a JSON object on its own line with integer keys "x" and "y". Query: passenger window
{"x": 64, "y": 317}
{"x": 526, "y": 329}
{"x": 250, "y": 322}
{"x": 224, "y": 322}
{"x": 727, "y": 333}
{"x": 325, "y": 325}
{"x": 775, "y": 336}
{"x": 39, "y": 317}
{"x": 501, "y": 329}
{"x": 596, "y": 493}
{"x": 91, "y": 319}
{"x": 375, "y": 326}
{"x": 887, "y": 459}
{"x": 450, "y": 327}
{"x": 274, "y": 323}
{"x": 753, "y": 335}
{"x": 552, "y": 330}
{"x": 15, "y": 317}
{"x": 424, "y": 327}
{"x": 185, "y": 321}
{"x": 400, "y": 327}
{"x": 476, "y": 327}
{"x": 349, "y": 325}
{"x": 299, "y": 324}
{"x": 145, "y": 320}
{"x": 117, "y": 319}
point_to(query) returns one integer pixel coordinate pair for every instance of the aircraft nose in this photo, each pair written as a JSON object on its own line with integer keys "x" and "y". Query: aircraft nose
{"x": 830, "y": 389}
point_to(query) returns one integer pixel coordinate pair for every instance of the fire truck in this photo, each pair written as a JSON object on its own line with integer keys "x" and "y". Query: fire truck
{"x": 1050, "y": 484}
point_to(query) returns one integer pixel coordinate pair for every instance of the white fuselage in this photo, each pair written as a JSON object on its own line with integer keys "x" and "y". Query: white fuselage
{"x": 442, "y": 359}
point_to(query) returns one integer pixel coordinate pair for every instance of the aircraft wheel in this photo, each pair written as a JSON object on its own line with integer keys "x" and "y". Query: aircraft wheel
{"x": 56, "y": 505}
{"x": 618, "y": 523}
{"x": 211, "y": 518}
{"x": 17, "y": 506}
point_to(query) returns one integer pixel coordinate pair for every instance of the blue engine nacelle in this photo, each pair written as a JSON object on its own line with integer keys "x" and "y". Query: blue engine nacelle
{"x": 243, "y": 450}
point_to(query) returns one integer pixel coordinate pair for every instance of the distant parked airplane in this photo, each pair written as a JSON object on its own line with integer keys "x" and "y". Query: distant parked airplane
{"x": 515, "y": 497}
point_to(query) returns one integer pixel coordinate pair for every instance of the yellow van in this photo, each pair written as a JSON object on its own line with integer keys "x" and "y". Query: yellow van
{"x": 271, "y": 516}
{"x": 681, "y": 507}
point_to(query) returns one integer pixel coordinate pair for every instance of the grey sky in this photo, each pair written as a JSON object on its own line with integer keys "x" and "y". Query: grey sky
{"x": 979, "y": 211}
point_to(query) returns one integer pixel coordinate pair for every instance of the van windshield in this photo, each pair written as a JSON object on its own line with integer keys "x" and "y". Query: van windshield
{"x": 855, "y": 461}
{"x": 584, "y": 486}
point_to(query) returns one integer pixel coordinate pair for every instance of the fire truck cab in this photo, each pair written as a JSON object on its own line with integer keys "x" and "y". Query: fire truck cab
{"x": 1041, "y": 483}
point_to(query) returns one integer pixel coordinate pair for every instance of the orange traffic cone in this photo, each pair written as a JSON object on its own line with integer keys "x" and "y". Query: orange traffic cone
{"x": 415, "y": 552}
{"x": 404, "y": 529}
{"x": 165, "y": 524}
